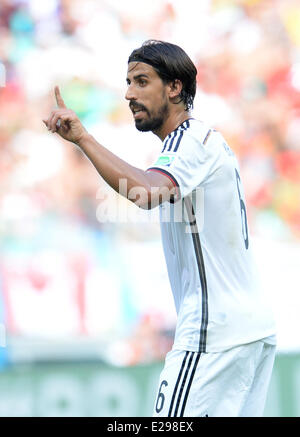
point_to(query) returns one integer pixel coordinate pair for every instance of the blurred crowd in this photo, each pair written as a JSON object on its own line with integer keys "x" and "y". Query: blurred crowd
{"x": 254, "y": 66}
{"x": 247, "y": 53}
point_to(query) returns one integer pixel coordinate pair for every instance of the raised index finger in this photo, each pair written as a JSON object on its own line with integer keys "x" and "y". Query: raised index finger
{"x": 59, "y": 100}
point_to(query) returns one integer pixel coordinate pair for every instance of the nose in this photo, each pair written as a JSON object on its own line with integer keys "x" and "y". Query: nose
{"x": 130, "y": 95}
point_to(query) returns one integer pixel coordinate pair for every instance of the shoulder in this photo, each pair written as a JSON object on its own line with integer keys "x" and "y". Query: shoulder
{"x": 190, "y": 130}
{"x": 201, "y": 134}
{"x": 191, "y": 136}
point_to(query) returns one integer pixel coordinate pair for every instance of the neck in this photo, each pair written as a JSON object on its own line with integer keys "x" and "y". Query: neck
{"x": 171, "y": 123}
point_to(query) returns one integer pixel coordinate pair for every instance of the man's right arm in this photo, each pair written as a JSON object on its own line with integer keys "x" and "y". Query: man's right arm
{"x": 144, "y": 189}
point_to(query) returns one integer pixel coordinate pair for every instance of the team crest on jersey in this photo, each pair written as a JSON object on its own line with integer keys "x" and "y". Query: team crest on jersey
{"x": 165, "y": 160}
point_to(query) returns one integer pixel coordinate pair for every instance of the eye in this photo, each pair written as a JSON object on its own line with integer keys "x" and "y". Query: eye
{"x": 142, "y": 82}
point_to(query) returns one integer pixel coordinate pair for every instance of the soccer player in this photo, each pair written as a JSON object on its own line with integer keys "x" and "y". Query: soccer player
{"x": 224, "y": 347}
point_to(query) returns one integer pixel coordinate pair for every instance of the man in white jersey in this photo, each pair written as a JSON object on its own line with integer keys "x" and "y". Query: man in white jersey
{"x": 224, "y": 346}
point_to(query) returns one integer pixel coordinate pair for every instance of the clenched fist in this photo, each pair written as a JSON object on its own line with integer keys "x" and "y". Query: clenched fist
{"x": 65, "y": 122}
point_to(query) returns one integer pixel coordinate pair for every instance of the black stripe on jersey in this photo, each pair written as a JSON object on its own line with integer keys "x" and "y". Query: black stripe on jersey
{"x": 178, "y": 141}
{"x": 185, "y": 126}
{"x": 177, "y": 384}
{"x": 201, "y": 270}
{"x": 183, "y": 383}
{"x": 169, "y": 141}
{"x": 190, "y": 384}
{"x": 172, "y": 140}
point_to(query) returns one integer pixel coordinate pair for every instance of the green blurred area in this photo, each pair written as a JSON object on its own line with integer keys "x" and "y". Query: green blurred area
{"x": 97, "y": 389}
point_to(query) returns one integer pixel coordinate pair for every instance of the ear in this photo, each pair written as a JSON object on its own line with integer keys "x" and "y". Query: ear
{"x": 175, "y": 88}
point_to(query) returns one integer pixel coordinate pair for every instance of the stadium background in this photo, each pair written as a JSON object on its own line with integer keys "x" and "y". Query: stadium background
{"x": 86, "y": 312}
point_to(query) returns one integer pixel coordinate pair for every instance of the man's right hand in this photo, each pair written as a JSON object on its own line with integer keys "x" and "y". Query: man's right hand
{"x": 65, "y": 122}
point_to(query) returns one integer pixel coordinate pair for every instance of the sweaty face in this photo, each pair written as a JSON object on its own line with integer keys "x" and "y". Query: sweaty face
{"x": 147, "y": 97}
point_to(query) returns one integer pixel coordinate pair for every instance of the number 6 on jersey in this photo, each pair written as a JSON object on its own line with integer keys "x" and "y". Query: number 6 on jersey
{"x": 243, "y": 211}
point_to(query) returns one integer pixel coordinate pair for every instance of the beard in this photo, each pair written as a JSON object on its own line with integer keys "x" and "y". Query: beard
{"x": 153, "y": 122}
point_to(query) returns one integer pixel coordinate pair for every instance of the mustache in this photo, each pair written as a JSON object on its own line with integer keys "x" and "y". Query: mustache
{"x": 137, "y": 106}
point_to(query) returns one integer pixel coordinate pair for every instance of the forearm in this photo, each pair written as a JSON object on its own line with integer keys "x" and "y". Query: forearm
{"x": 145, "y": 189}
{"x": 112, "y": 168}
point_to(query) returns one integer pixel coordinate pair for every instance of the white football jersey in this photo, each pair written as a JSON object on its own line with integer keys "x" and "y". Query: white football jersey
{"x": 205, "y": 237}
